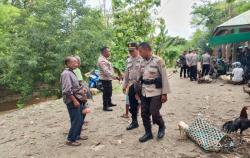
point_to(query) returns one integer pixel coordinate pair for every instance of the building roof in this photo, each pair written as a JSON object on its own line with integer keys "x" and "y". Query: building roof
{"x": 242, "y": 19}
{"x": 234, "y": 30}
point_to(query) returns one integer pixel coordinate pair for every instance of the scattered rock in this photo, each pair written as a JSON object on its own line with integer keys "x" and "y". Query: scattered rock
{"x": 97, "y": 146}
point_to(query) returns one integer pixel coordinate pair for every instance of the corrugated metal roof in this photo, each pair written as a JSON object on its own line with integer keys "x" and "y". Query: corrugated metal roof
{"x": 242, "y": 19}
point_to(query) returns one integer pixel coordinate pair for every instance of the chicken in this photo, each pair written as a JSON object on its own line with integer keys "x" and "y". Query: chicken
{"x": 225, "y": 78}
{"x": 183, "y": 127}
{"x": 199, "y": 73}
{"x": 241, "y": 122}
{"x": 203, "y": 79}
{"x": 246, "y": 90}
{"x": 175, "y": 71}
{"x": 206, "y": 79}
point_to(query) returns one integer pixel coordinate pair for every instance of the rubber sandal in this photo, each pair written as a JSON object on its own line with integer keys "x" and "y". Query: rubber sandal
{"x": 84, "y": 138}
{"x": 73, "y": 143}
{"x": 125, "y": 116}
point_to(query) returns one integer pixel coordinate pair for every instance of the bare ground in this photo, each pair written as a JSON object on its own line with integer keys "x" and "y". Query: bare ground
{"x": 40, "y": 130}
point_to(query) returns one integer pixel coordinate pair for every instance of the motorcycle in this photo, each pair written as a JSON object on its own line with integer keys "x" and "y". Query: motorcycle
{"x": 94, "y": 80}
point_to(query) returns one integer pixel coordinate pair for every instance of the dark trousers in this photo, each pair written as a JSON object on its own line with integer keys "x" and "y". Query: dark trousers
{"x": 247, "y": 72}
{"x": 76, "y": 120}
{"x": 205, "y": 69}
{"x": 83, "y": 117}
{"x": 151, "y": 106}
{"x": 188, "y": 71}
{"x": 193, "y": 73}
{"x": 133, "y": 103}
{"x": 107, "y": 92}
{"x": 183, "y": 70}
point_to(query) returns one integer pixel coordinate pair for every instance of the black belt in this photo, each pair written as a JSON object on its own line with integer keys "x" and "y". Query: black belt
{"x": 148, "y": 82}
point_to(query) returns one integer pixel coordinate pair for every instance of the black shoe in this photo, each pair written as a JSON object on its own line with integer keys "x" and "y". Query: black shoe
{"x": 133, "y": 125}
{"x": 161, "y": 132}
{"x": 111, "y": 104}
{"x": 107, "y": 109}
{"x": 147, "y": 136}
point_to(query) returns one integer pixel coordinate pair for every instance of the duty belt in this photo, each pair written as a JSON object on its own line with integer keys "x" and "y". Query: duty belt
{"x": 148, "y": 82}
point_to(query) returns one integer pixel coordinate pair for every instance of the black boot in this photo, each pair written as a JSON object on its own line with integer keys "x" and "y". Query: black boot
{"x": 161, "y": 132}
{"x": 106, "y": 108}
{"x": 111, "y": 104}
{"x": 134, "y": 124}
{"x": 147, "y": 136}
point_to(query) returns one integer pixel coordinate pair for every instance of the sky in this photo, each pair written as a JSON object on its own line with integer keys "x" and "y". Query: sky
{"x": 175, "y": 12}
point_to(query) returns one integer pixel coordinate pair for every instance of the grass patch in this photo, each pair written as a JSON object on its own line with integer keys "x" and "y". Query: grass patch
{"x": 117, "y": 87}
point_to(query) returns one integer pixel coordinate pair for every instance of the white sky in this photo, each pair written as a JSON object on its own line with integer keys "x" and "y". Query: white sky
{"x": 175, "y": 12}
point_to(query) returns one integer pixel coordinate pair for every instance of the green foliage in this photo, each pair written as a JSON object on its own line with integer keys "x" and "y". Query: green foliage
{"x": 131, "y": 22}
{"x": 7, "y": 13}
{"x": 37, "y": 37}
{"x": 242, "y": 6}
{"x": 199, "y": 40}
{"x": 169, "y": 48}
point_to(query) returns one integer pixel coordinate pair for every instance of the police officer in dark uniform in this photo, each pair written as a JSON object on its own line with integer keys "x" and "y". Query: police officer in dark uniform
{"x": 155, "y": 87}
{"x": 106, "y": 76}
{"x": 131, "y": 77}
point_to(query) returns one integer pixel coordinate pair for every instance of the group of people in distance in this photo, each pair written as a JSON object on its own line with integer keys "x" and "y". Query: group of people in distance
{"x": 189, "y": 64}
{"x": 210, "y": 68}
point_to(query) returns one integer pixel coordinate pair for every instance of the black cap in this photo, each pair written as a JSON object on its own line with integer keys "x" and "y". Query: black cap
{"x": 132, "y": 45}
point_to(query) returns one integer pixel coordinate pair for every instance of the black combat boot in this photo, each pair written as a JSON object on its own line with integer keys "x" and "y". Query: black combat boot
{"x": 106, "y": 108}
{"x": 147, "y": 136}
{"x": 111, "y": 104}
{"x": 134, "y": 124}
{"x": 161, "y": 132}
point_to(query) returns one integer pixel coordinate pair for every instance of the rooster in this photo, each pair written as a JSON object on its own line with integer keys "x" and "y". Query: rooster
{"x": 175, "y": 71}
{"x": 225, "y": 78}
{"x": 206, "y": 79}
{"x": 246, "y": 90}
{"x": 241, "y": 123}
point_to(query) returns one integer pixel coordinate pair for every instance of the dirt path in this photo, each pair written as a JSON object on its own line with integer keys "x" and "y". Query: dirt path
{"x": 40, "y": 130}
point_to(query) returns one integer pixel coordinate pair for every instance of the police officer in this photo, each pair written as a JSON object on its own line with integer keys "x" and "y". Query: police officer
{"x": 188, "y": 60}
{"x": 131, "y": 77}
{"x": 183, "y": 64}
{"x": 155, "y": 88}
{"x": 193, "y": 65}
{"x": 106, "y": 77}
{"x": 205, "y": 62}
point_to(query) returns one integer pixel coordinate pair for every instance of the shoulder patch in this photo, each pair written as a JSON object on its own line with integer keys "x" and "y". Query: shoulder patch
{"x": 129, "y": 59}
{"x": 161, "y": 62}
